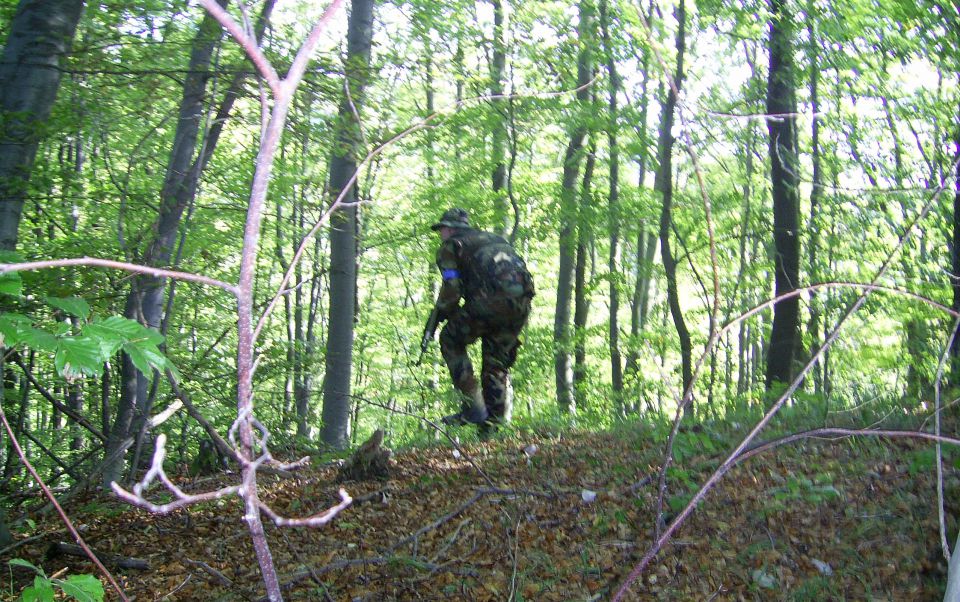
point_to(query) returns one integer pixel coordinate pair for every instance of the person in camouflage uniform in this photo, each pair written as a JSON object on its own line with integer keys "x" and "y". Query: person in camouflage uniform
{"x": 484, "y": 270}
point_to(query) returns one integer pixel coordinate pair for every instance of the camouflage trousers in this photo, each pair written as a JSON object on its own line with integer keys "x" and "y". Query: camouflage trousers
{"x": 497, "y": 324}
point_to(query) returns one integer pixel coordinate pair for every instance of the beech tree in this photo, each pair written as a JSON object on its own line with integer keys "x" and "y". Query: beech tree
{"x": 343, "y": 224}
{"x": 784, "y": 170}
{"x": 39, "y": 37}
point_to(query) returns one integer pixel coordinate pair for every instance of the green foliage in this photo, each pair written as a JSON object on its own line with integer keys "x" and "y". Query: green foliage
{"x": 806, "y": 490}
{"x": 84, "y": 588}
{"x": 85, "y": 353}
{"x": 10, "y": 282}
{"x": 100, "y": 172}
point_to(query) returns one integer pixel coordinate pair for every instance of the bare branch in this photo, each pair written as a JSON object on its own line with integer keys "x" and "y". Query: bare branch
{"x": 936, "y": 429}
{"x": 299, "y": 65}
{"x": 156, "y": 471}
{"x": 311, "y": 521}
{"x": 117, "y": 265}
{"x": 63, "y": 515}
{"x": 247, "y": 42}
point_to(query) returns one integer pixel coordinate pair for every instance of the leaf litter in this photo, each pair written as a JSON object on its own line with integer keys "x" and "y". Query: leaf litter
{"x": 565, "y": 521}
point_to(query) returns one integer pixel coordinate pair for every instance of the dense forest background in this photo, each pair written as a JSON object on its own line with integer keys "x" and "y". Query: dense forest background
{"x": 728, "y": 209}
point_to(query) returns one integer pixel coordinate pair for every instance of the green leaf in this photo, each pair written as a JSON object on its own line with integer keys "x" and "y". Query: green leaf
{"x": 75, "y": 306}
{"x": 78, "y": 356}
{"x": 85, "y": 588}
{"x": 12, "y": 328}
{"x": 25, "y": 564}
{"x": 41, "y": 340}
{"x": 110, "y": 340}
{"x": 126, "y": 330}
{"x": 10, "y": 284}
{"x": 40, "y": 591}
{"x": 139, "y": 359}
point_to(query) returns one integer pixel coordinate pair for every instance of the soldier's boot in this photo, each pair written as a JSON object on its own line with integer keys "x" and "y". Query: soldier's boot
{"x": 474, "y": 411}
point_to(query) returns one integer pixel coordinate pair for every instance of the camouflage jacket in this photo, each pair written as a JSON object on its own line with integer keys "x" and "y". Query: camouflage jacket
{"x": 480, "y": 268}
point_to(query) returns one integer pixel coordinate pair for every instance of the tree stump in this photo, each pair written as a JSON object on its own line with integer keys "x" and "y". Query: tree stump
{"x": 370, "y": 462}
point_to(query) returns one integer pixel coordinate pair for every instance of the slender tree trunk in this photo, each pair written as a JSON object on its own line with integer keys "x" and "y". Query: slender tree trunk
{"x": 581, "y": 303}
{"x": 39, "y": 37}
{"x": 663, "y": 184}
{"x": 145, "y": 301}
{"x": 613, "y": 211}
{"x": 499, "y": 126}
{"x": 106, "y": 383}
{"x": 563, "y": 369}
{"x": 6, "y": 537}
{"x": 20, "y": 422}
{"x": 816, "y": 190}
{"x": 646, "y": 240}
{"x": 955, "y": 253}
{"x": 290, "y": 369}
{"x": 343, "y": 233}
{"x": 781, "y": 106}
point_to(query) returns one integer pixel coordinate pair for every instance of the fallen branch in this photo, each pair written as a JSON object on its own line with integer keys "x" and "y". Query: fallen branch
{"x": 220, "y": 577}
{"x": 481, "y": 493}
{"x": 376, "y": 561}
{"x": 123, "y": 562}
{"x": 22, "y": 542}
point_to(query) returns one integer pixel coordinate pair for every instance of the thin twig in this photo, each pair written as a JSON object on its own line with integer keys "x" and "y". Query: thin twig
{"x": 938, "y": 383}
{"x": 63, "y": 515}
{"x": 247, "y": 42}
{"x": 117, "y": 265}
{"x": 220, "y": 577}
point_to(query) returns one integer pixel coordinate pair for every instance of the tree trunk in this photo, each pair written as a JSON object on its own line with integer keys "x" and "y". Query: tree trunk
{"x": 613, "y": 211}
{"x": 563, "y": 369}
{"x": 145, "y": 301}
{"x": 781, "y": 107}
{"x": 498, "y": 65}
{"x": 955, "y": 255}
{"x": 646, "y": 241}
{"x": 816, "y": 191}
{"x": 581, "y": 303}
{"x": 39, "y": 36}
{"x": 343, "y": 232}
{"x": 663, "y": 183}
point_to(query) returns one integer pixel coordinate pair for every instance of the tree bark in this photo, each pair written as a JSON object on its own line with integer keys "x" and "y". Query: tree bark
{"x": 581, "y": 303}
{"x": 563, "y": 369}
{"x": 40, "y": 35}
{"x": 816, "y": 190}
{"x": 613, "y": 212}
{"x": 663, "y": 183}
{"x": 955, "y": 257}
{"x": 343, "y": 234}
{"x": 646, "y": 240}
{"x": 498, "y": 65}
{"x": 781, "y": 110}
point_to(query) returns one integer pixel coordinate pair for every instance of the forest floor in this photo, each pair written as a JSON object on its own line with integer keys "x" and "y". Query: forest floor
{"x": 818, "y": 520}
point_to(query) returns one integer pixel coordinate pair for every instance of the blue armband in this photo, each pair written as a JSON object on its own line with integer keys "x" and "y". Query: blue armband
{"x": 450, "y": 274}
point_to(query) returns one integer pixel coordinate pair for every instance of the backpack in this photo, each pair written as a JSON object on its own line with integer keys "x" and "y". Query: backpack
{"x": 493, "y": 266}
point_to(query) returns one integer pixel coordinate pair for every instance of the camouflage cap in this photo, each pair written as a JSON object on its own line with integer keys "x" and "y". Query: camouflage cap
{"x": 453, "y": 218}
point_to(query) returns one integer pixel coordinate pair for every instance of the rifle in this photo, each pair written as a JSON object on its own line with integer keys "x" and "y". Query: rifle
{"x": 428, "y": 332}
